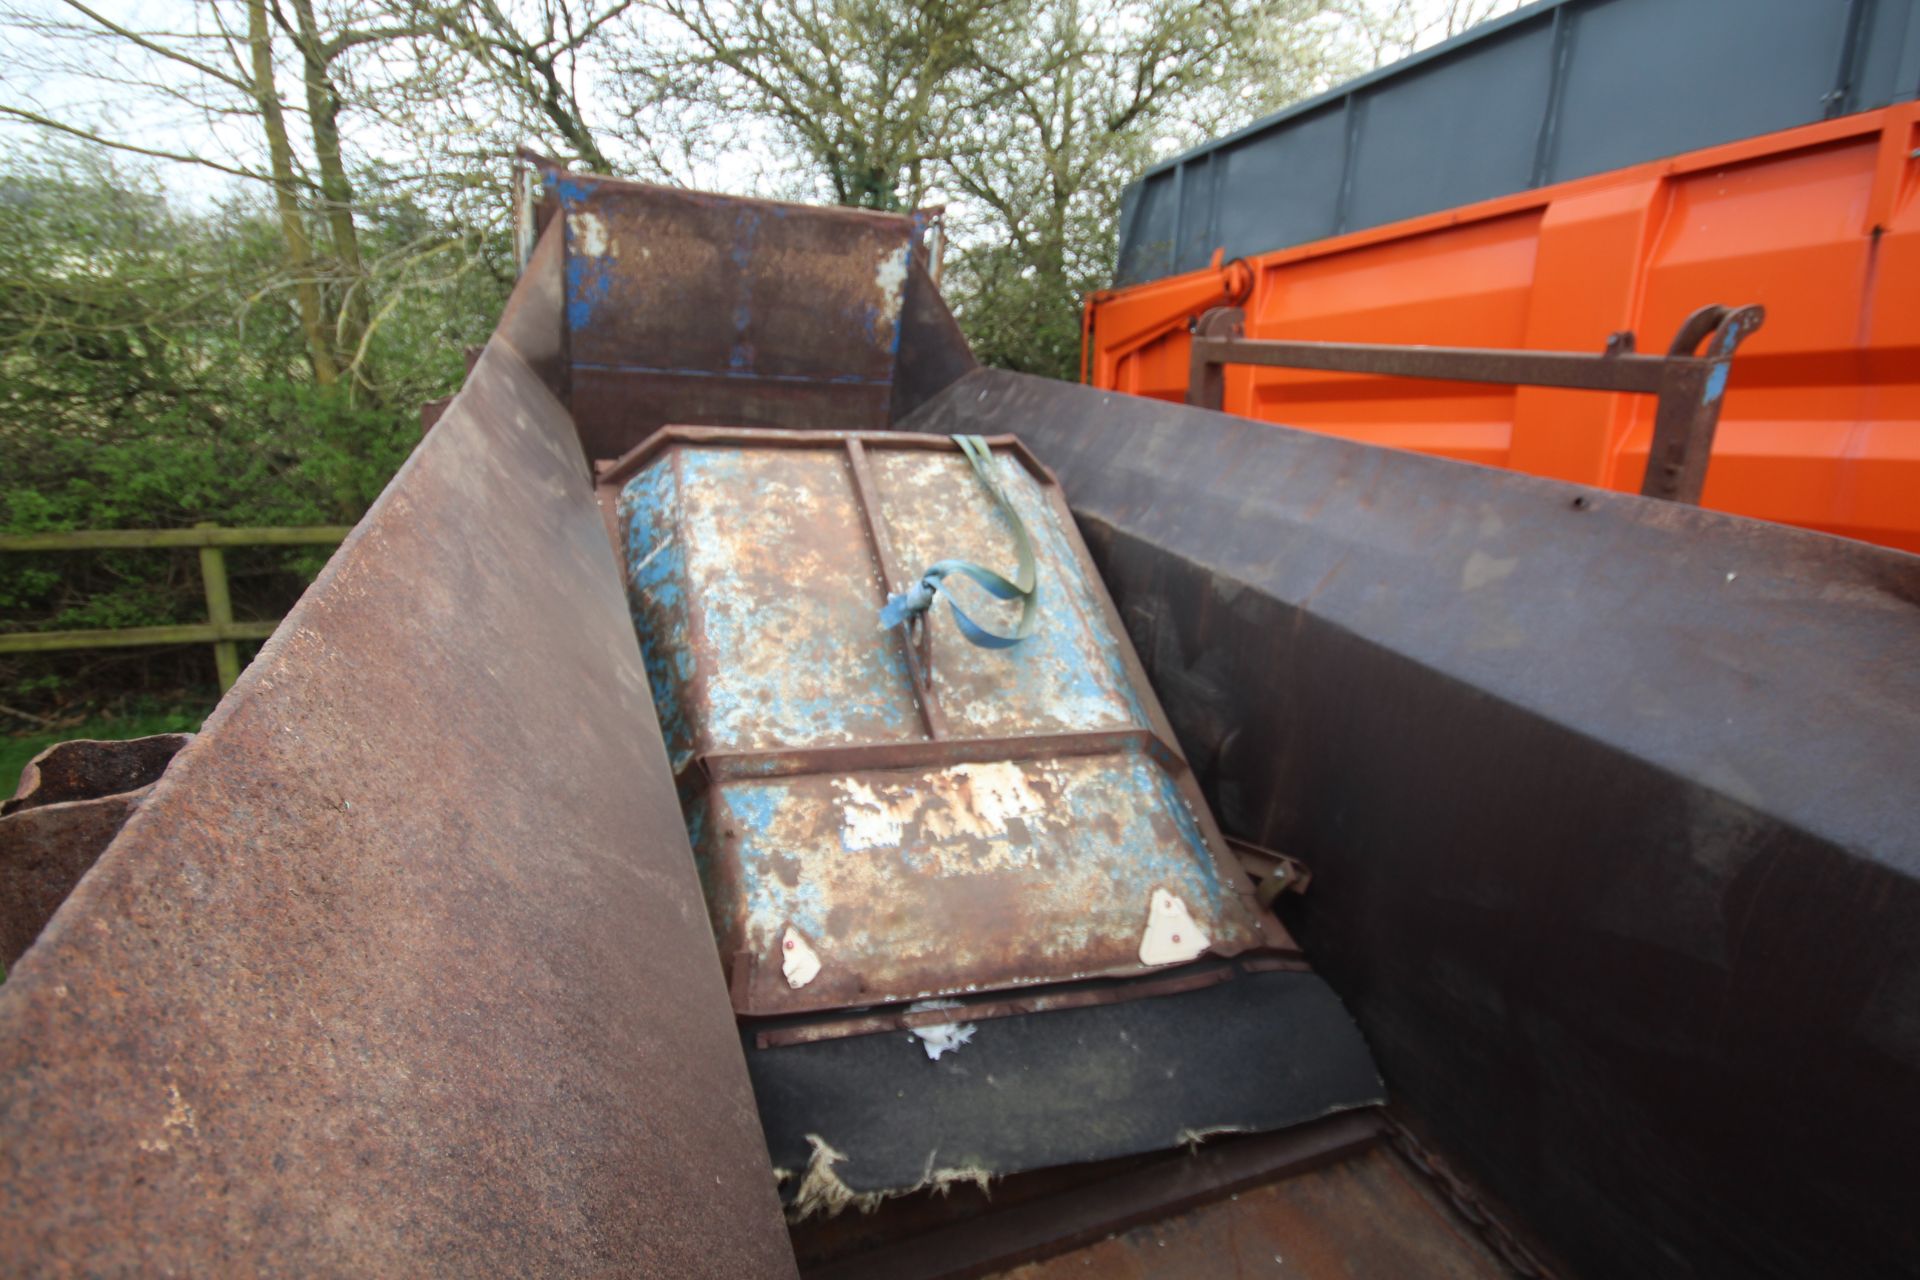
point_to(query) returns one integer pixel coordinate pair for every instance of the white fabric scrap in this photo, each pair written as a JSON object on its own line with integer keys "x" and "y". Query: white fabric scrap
{"x": 1172, "y": 936}
{"x": 797, "y": 959}
{"x": 942, "y": 1037}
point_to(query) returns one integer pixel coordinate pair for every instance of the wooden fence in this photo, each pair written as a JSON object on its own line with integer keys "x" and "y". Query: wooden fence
{"x": 219, "y": 630}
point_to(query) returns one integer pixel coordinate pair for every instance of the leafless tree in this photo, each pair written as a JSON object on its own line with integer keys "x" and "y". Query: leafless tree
{"x": 1388, "y": 30}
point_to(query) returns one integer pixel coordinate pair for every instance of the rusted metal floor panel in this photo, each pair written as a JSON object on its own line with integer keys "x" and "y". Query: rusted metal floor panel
{"x": 1365, "y": 1217}
{"x": 402, "y": 969}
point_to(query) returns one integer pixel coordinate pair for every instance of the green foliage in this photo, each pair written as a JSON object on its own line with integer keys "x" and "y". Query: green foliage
{"x": 1088, "y": 94}
{"x": 153, "y": 375}
{"x": 1016, "y": 316}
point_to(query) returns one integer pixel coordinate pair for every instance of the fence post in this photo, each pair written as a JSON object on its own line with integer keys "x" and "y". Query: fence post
{"x": 213, "y": 574}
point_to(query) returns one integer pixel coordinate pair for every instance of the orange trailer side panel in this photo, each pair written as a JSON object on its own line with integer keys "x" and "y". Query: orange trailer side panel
{"x": 1820, "y": 224}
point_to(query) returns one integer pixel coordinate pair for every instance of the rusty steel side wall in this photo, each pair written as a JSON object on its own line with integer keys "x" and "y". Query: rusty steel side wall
{"x": 696, "y": 309}
{"x": 402, "y": 969}
{"x": 1611, "y": 807}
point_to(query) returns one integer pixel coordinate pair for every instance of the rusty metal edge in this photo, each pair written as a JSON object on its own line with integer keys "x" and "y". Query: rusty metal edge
{"x": 1041, "y": 1228}
{"x": 1046, "y": 1000}
{"x": 140, "y": 761}
{"x": 782, "y": 762}
{"x": 616, "y": 471}
{"x": 844, "y": 213}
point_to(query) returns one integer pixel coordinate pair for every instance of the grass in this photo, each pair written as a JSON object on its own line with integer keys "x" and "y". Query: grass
{"x": 138, "y": 722}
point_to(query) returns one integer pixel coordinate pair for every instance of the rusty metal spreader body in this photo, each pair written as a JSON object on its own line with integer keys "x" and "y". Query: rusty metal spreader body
{"x": 410, "y": 963}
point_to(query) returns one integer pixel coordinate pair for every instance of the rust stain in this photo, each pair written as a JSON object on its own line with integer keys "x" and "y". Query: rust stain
{"x": 1358, "y": 1217}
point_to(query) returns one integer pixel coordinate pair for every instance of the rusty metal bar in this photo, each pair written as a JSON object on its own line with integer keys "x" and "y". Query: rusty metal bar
{"x": 919, "y": 658}
{"x": 1690, "y": 388}
{"x": 629, "y": 463}
{"x": 1274, "y": 873}
{"x": 1690, "y": 398}
{"x": 1577, "y": 370}
{"x": 858, "y": 757}
{"x": 1043, "y": 1002}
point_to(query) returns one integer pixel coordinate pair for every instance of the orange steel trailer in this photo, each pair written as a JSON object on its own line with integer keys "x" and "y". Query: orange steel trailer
{"x": 1818, "y": 224}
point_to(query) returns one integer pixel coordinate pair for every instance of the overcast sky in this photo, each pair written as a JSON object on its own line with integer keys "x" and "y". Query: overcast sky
{"x": 60, "y": 80}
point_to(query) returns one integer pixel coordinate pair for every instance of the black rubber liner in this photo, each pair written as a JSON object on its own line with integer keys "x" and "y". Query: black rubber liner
{"x": 1260, "y": 1052}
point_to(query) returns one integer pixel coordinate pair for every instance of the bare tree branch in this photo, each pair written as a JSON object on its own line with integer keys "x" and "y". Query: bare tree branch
{"x": 87, "y": 135}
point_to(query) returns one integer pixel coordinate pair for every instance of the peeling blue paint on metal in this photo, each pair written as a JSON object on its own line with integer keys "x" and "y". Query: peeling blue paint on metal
{"x": 589, "y": 274}
{"x": 573, "y": 190}
{"x": 783, "y": 598}
{"x": 1203, "y": 887}
{"x": 699, "y": 815}
{"x": 780, "y": 549}
{"x": 588, "y": 279}
{"x": 789, "y": 673}
{"x": 746, "y": 231}
{"x": 1070, "y": 674}
{"x": 1071, "y": 573}
{"x": 1716, "y": 384}
{"x": 890, "y": 279}
{"x": 1056, "y": 890}
{"x": 656, "y": 573}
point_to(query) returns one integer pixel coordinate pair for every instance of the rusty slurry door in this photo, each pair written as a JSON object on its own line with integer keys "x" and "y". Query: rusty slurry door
{"x": 1000, "y": 849}
{"x": 691, "y": 308}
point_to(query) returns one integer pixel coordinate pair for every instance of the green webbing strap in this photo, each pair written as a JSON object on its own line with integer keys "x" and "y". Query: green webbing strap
{"x": 907, "y": 605}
